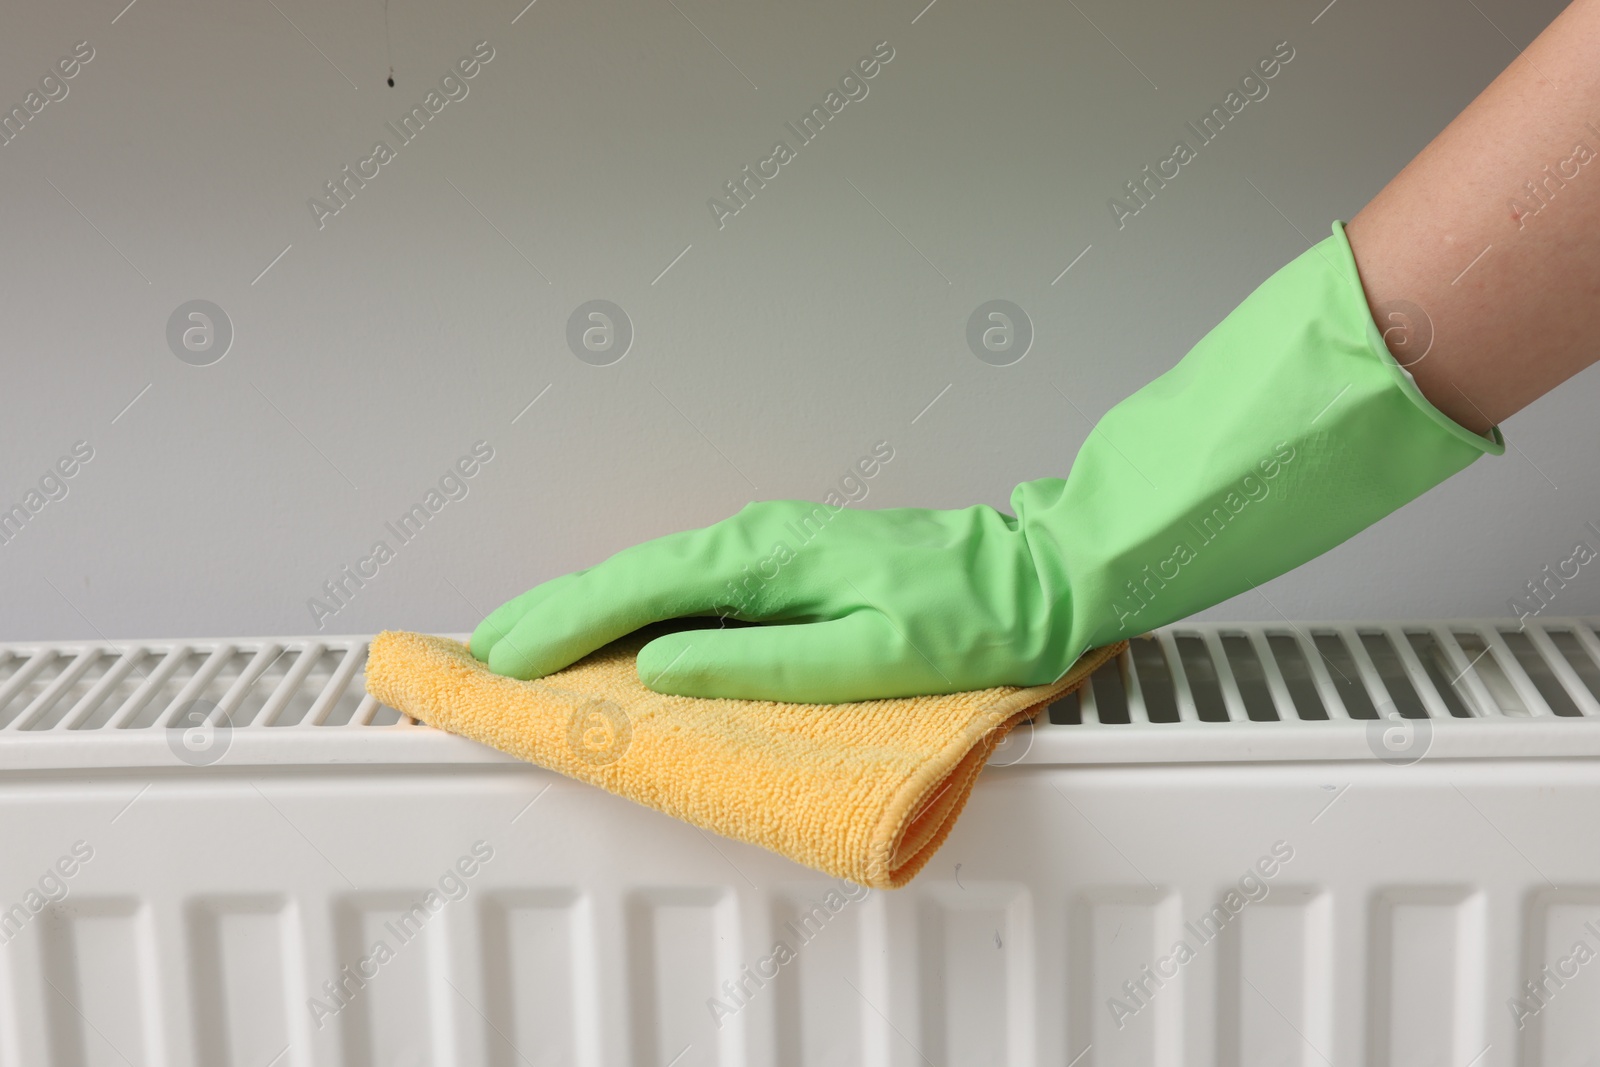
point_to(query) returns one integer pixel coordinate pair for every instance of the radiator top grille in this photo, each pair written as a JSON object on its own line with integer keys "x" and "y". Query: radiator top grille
{"x": 1398, "y": 692}
{"x": 1322, "y": 672}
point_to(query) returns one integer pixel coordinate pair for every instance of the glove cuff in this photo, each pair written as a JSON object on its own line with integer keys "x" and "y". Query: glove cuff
{"x": 1493, "y": 444}
{"x": 1285, "y": 430}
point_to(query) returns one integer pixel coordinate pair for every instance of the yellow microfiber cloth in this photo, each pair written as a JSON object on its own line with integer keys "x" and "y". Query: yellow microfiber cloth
{"x": 865, "y": 791}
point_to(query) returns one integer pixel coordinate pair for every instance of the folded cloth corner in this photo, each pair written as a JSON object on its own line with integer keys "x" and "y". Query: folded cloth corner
{"x": 866, "y": 791}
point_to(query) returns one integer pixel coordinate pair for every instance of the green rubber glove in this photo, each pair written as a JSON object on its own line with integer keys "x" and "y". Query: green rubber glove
{"x": 1286, "y": 430}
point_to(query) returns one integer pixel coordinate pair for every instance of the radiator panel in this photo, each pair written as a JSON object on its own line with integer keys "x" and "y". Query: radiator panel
{"x": 248, "y": 895}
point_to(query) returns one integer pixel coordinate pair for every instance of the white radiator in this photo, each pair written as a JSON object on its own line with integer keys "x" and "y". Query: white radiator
{"x": 1263, "y": 846}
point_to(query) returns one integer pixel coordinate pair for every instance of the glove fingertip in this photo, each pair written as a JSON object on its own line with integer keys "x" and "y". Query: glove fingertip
{"x": 506, "y": 659}
{"x": 482, "y": 641}
{"x": 685, "y": 664}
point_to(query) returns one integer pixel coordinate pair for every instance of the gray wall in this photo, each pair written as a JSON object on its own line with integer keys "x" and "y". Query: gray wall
{"x": 824, "y": 317}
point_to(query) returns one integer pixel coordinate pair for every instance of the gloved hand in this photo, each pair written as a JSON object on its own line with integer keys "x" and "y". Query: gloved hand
{"x": 1286, "y": 430}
